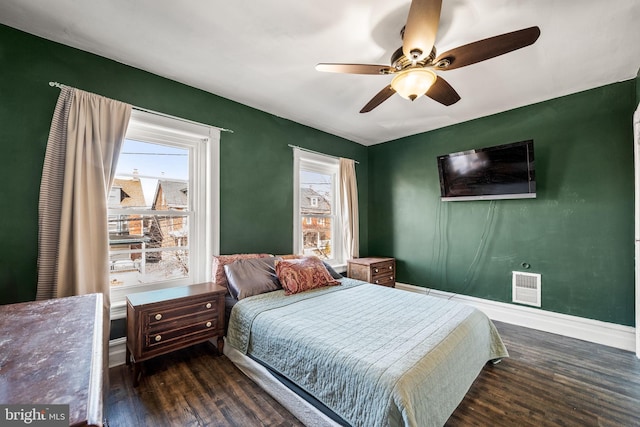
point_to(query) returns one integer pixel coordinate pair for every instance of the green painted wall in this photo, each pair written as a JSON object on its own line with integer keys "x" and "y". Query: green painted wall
{"x": 578, "y": 233}
{"x": 256, "y": 163}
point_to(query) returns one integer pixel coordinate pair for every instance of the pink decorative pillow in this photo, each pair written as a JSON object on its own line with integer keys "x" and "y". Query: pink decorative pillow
{"x": 290, "y": 256}
{"x": 219, "y": 261}
{"x": 299, "y": 275}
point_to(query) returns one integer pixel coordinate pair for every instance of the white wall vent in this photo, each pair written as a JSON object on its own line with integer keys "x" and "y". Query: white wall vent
{"x": 526, "y": 288}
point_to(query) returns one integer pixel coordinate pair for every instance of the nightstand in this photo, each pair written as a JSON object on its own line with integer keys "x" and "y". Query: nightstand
{"x": 376, "y": 270}
{"x": 166, "y": 320}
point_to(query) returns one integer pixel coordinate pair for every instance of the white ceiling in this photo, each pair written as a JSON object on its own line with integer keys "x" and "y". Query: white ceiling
{"x": 263, "y": 53}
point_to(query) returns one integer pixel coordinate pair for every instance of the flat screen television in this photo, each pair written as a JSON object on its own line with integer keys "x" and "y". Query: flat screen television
{"x": 500, "y": 172}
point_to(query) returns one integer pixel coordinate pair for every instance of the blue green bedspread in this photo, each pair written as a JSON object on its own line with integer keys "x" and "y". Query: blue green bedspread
{"x": 376, "y": 356}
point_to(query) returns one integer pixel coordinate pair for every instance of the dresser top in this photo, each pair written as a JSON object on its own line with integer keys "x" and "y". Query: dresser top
{"x": 370, "y": 260}
{"x": 151, "y": 297}
{"x": 51, "y": 352}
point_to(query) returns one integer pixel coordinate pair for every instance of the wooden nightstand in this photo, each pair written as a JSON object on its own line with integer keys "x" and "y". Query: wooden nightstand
{"x": 377, "y": 270}
{"x": 166, "y": 320}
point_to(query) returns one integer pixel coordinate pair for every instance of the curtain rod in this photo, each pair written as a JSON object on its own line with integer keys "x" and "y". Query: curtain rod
{"x": 157, "y": 113}
{"x": 317, "y": 152}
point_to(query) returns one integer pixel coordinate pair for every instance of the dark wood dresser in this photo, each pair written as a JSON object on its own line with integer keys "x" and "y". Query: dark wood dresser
{"x": 54, "y": 352}
{"x": 166, "y": 320}
{"x": 377, "y": 270}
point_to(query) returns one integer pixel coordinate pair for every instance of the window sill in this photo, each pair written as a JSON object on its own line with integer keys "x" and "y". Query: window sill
{"x": 340, "y": 268}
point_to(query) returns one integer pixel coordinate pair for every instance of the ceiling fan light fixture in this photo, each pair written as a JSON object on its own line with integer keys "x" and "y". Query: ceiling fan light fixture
{"x": 413, "y": 83}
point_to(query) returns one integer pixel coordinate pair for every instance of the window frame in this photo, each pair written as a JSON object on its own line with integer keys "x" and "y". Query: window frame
{"x": 203, "y": 143}
{"x": 319, "y": 163}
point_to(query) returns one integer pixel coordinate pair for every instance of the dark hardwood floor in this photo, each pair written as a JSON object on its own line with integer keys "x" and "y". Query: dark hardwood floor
{"x": 191, "y": 387}
{"x": 551, "y": 380}
{"x": 548, "y": 380}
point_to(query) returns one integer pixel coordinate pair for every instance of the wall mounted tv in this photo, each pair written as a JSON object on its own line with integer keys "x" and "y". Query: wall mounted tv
{"x": 500, "y": 172}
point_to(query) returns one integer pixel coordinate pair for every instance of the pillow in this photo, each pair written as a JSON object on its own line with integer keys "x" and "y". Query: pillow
{"x": 332, "y": 272}
{"x": 290, "y": 256}
{"x": 330, "y": 269}
{"x": 299, "y": 275}
{"x": 253, "y": 276}
{"x": 219, "y": 261}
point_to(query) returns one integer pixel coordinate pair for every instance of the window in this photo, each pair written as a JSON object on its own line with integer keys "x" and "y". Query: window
{"x": 162, "y": 208}
{"x": 316, "y": 209}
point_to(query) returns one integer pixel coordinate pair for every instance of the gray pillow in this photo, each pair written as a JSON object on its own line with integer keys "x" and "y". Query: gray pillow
{"x": 248, "y": 277}
{"x": 332, "y": 272}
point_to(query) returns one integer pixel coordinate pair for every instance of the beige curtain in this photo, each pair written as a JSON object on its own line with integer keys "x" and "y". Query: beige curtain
{"x": 349, "y": 206}
{"x": 84, "y": 143}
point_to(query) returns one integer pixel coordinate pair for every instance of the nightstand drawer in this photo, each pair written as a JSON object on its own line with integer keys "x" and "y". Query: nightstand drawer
{"x": 192, "y": 331}
{"x": 384, "y": 281}
{"x": 382, "y": 268}
{"x": 166, "y": 314}
{"x": 181, "y": 322}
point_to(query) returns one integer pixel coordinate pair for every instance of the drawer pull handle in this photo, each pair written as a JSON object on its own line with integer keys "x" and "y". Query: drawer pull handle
{"x": 377, "y": 281}
{"x": 208, "y": 324}
{"x": 208, "y": 305}
{"x": 390, "y": 267}
{"x": 391, "y": 278}
{"x": 376, "y": 270}
{"x": 158, "y": 316}
{"x": 158, "y": 338}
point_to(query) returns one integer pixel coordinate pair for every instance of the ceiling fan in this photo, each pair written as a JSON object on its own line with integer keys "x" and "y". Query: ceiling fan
{"x": 414, "y": 64}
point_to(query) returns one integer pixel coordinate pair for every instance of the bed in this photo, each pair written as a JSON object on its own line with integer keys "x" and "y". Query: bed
{"x": 365, "y": 355}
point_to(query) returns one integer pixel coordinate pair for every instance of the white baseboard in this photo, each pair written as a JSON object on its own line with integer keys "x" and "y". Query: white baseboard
{"x": 117, "y": 352}
{"x": 609, "y": 334}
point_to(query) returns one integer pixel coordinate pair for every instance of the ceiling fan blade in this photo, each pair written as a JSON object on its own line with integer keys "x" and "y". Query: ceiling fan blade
{"x": 355, "y": 68}
{"x": 442, "y": 92}
{"x": 421, "y": 28}
{"x": 487, "y": 48}
{"x": 380, "y": 97}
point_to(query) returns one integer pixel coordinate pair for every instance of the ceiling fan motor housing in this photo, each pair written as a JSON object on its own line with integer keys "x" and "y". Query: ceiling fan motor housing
{"x": 399, "y": 61}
